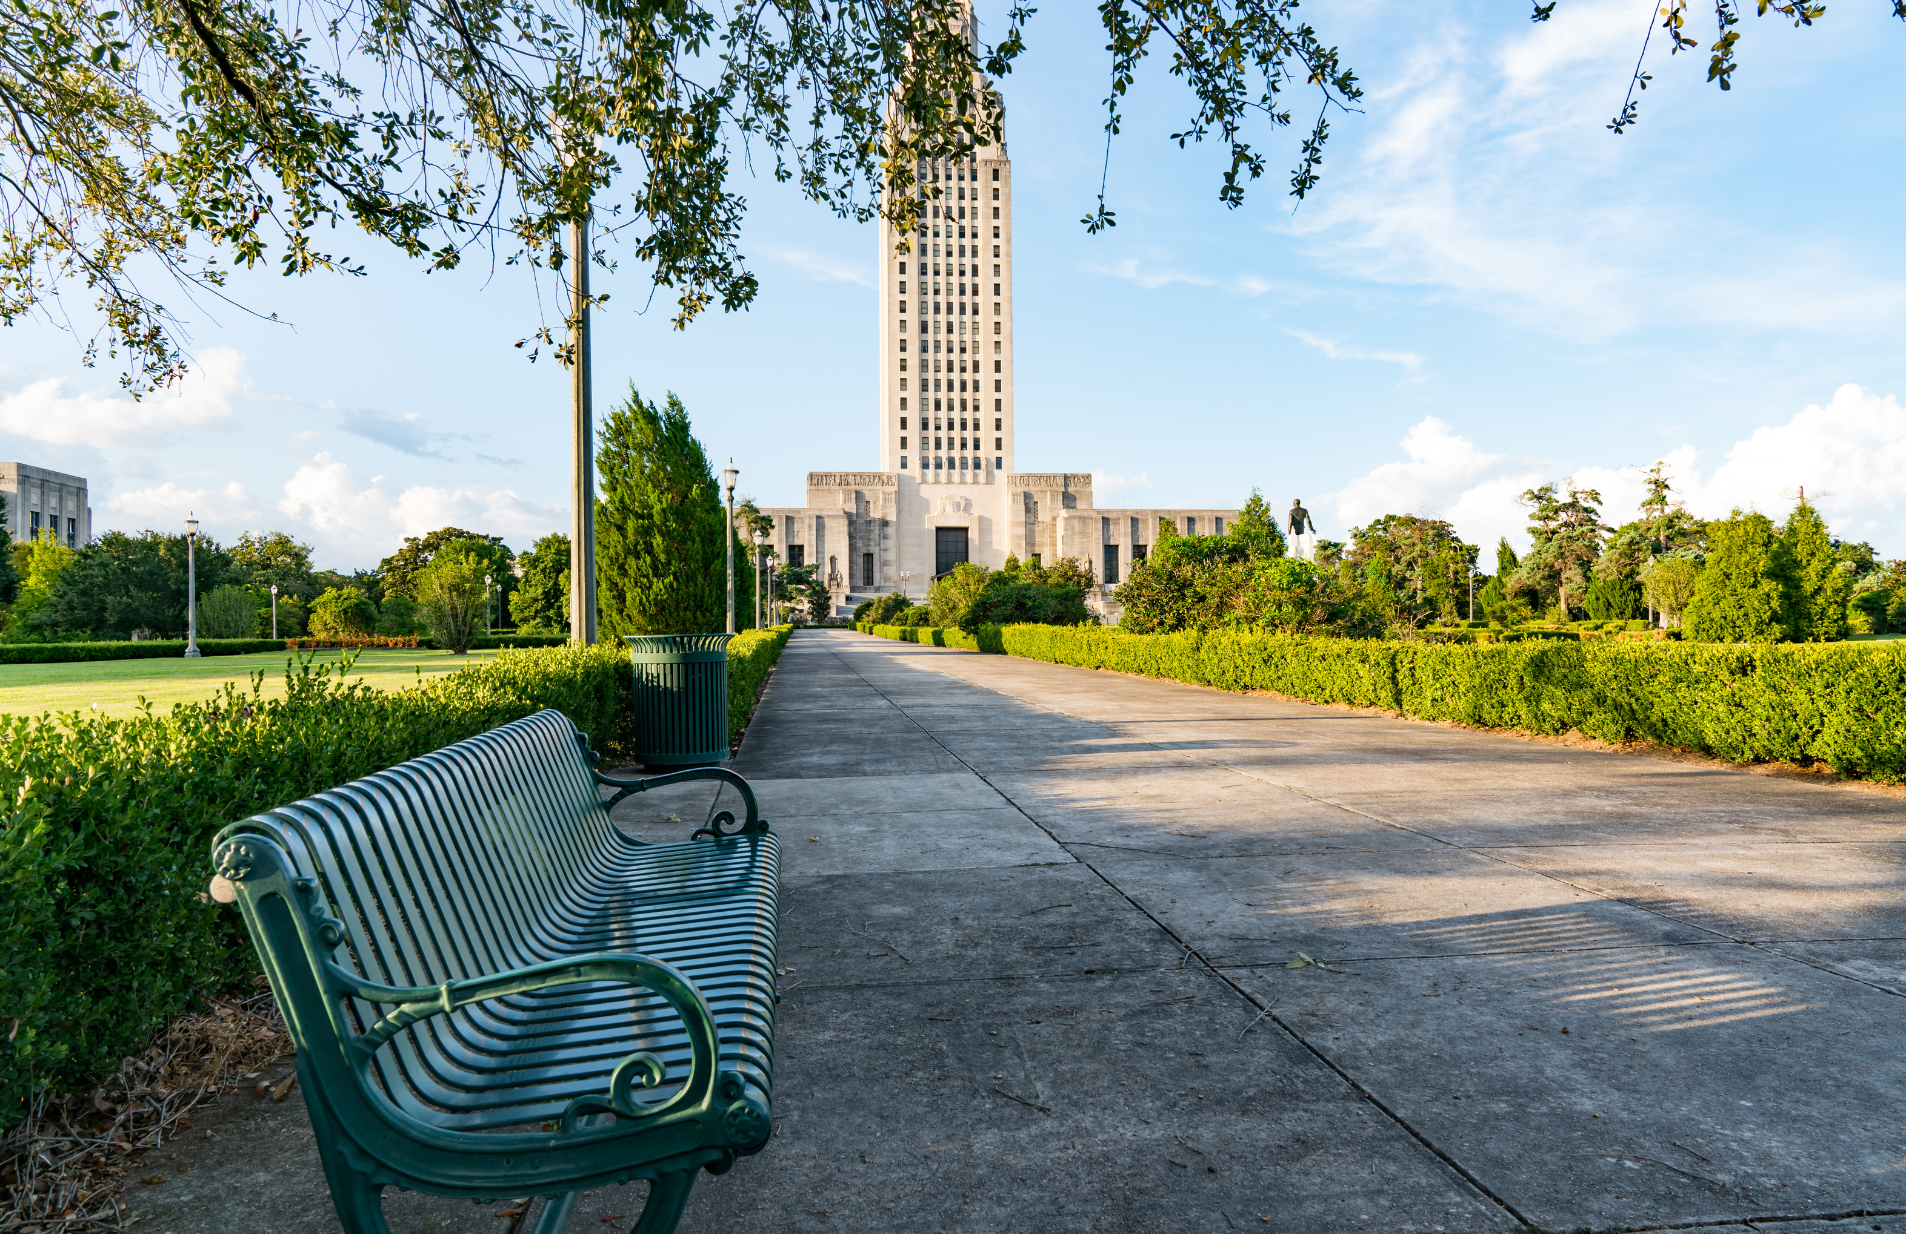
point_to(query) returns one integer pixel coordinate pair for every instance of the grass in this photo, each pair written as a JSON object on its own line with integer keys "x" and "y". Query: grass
{"x": 114, "y": 687}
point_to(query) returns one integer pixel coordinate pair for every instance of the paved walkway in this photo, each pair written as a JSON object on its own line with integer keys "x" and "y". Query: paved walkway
{"x": 1034, "y": 918}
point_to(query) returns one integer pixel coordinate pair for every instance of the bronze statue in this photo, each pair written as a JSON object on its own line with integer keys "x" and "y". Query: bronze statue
{"x": 1300, "y": 523}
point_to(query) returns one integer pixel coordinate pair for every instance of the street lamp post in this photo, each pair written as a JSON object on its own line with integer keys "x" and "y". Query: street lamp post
{"x": 728, "y": 477}
{"x": 905, "y": 577}
{"x": 759, "y": 541}
{"x": 1472, "y": 591}
{"x": 486, "y": 606}
{"x": 191, "y": 588}
{"x": 274, "y": 610}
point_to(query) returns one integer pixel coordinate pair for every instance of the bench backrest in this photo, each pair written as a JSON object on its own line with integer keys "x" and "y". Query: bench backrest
{"x": 467, "y": 862}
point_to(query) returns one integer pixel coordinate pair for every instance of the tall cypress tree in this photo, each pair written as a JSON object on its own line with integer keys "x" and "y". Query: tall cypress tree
{"x": 1823, "y": 588}
{"x": 660, "y": 564}
{"x": 1746, "y": 591}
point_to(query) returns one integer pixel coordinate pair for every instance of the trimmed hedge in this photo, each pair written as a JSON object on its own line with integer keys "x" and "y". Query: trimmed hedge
{"x": 1840, "y": 704}
{"x": 983, "y": 638}
{"x": 104, "y": 934}
{"x": 149, "y": 649}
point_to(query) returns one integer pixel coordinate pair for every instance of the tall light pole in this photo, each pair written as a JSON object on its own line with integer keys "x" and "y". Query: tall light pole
{"x": 191, "y": 588}
{"x": 582, "y": 489}
{"x": 759, "y": 540}
{"x": 274, "y": 610}
{"x": 486, "y": 606}
{"x": 728, "y": 477}
{"x": 905, "y": 575}
{"x": 1472, "y": 591}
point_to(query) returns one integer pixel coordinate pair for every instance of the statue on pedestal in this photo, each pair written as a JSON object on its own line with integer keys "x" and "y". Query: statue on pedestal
{"x": 1303, "y": 531}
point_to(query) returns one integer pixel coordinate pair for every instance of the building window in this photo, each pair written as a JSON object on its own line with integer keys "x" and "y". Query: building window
{"x": 995, "y": 194}
{"x": 949, "y": 548}
{"x": 866, "y": 569}
{"x": 1110, "y": 574}
{"x": 997, "y": 422}
{"x": 995, "y": 236}
{"x": 998, "y": 463}
{"x": 999, "y": 443}
{"x": 1138, "y": 553}
{"x": 995, "y": 173}
{"x": 995, "y": 211}
{"x": 903, "y": 462}
{"x": 995, "y": 269}
{"x": 1217, "y": 526}
{"x": 962, "y": 461}
{"x": 797, "y": 556}
{"x": 903, "y": 422}
{"x": 903, "y": 400}
{"x": 903, "y": 443}
{"x": 995, "y": 292}
{"x": 936, "y": 460}
{"x": 36, "y": 522}
{"x": 996, "y": 389}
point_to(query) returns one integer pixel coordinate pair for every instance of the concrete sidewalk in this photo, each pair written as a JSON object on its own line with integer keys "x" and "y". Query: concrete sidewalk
{"x": 1033, "y": 916}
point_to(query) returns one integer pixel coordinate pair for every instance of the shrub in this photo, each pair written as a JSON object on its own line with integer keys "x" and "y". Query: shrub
{"x": 452, "y": 598}
{"x": 1746, "y": 592}
{"x": 341, "y": 612}
{"x": 397, "y": 615}
{"x": 1669, "y": 585}
{"x": 103, "y": 855}
{"x": 228, "y": 612}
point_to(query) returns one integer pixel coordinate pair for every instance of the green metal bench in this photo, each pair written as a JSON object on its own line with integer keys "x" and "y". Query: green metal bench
{"x": 495, "y": 993}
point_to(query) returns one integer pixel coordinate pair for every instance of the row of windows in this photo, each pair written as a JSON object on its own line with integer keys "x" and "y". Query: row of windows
{"x": 949, "y": 347}
{"x": 955, "y": 463}
{"x": 998, "y": 405}
{"x": 950, "y": 229}
{"x": 944, "y": 308}
{"x": 962, "y": 274}
{"x": 949, "y": 368}
{"x": 999, "y": 443}
{"x": 925, "y": 193}
{"x": 962, "y": 216}
{"x": 949, "y": 326}
{"x": 930, "y": 170}
{"x": 962, "y": 253}
{"x": 998, "y": 423}
{"x": 949, "y": 385}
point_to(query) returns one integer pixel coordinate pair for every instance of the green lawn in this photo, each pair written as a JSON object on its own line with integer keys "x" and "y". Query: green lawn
{"x": 115, "y": 686}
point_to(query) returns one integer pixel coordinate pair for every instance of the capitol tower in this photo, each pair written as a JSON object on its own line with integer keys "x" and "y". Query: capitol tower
{"x": 948, "y": 489}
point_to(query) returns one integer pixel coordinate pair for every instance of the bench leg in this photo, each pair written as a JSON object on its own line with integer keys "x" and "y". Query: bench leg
{"x": 360, "y": 1207}
{"x": 668, "y": 1195}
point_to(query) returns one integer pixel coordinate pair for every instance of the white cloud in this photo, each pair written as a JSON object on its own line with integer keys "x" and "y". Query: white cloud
{"x": 1112, "y": 490}
{"x": 222, "y": 512}
{"x": 349, "y": 519}
{"x": 1446, "y": 477}
{"x": 1850, "y": 456}
{"x": 1488, "y": 177}
{"x": 823, "y": 268}
{"x": 1411, "y": 361}
{"x": 1151, "y": 276}
{"x": 46, "y": 412}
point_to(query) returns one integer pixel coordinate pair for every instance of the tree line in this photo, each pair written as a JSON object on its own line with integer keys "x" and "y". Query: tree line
{"x": 660, "y": 566}
{"x": 1744, "y": 578}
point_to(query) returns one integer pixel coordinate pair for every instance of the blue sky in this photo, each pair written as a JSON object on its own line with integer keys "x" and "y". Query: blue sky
{"x": 1488, "y": 291}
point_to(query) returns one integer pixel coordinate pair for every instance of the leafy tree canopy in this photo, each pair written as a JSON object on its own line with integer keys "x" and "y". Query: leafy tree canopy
{"x": 398, "y": 572}
{"x": 269, "y": 557}
{"x": 541, "y": 602}
{"x": 1818, "y": 610}
{"x": 121, "y": 583}
{"x": 1745, "y": 591}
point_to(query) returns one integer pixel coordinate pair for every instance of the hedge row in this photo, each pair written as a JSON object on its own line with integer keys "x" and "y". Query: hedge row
{"x": 1840, "y": 704}
{"x": 149, "y": 649}
{"x": 985, "y": 638}
{"x": 103, "y": 840}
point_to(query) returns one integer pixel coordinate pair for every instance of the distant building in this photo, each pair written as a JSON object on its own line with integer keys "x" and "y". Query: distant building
{"x": 38, "y": 499}
{"x": 948, "y": 489}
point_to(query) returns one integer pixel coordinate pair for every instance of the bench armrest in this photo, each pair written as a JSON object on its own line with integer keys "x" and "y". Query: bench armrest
{"x": 638, "y": 1070}
{"x": 752, "y": 824}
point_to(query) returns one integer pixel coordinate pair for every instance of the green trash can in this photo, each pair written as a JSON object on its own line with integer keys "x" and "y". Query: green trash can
{"x": 681, "y": 698}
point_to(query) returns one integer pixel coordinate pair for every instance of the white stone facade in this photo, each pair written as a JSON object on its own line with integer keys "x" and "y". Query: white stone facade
{"x": 948, "y": 488}
{"x": 38, "y": 498}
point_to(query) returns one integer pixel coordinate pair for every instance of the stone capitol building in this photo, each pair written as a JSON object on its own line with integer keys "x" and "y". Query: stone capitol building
{"x": 948, "y": 488}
